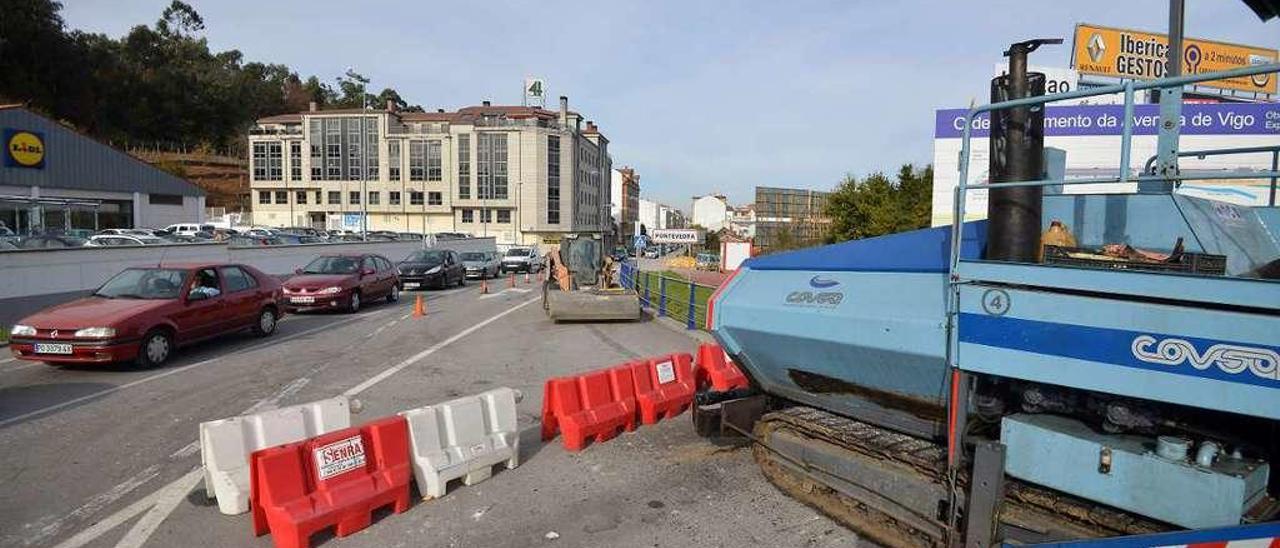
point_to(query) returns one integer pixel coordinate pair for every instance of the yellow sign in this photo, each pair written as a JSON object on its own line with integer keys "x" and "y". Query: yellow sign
{"x": 25, "y": 149}
{"x": 1123, "y": 53}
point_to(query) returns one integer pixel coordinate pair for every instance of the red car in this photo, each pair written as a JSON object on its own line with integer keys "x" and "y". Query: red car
{"x": 342, "y": 282}
{"x": 144, "y": 313}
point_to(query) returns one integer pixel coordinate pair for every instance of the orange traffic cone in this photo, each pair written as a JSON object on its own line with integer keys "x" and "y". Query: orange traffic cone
{"x": 526, "y": 278}
{"x": 419, "y": 308}
{"x": 511, "y": 282}
{"x": 484, "y": 286}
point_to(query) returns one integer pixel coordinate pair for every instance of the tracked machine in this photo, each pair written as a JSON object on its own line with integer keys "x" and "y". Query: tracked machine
{"x": 972, "y": 385}
{"x": 582, "y": 285}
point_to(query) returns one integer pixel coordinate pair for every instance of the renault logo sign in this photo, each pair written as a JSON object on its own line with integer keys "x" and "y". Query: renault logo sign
{"x": 1097, "y": 46}
{"x": 23, "y": 148}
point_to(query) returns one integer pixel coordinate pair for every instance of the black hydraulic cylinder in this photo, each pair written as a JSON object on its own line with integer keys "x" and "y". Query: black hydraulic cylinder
{"x": 1016, "y": 154}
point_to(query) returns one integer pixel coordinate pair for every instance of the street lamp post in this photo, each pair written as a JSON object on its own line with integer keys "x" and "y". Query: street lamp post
{"x": 364, "y": 165}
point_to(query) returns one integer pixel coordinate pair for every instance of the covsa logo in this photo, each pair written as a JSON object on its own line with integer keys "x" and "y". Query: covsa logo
{"x": 23, "y": 148}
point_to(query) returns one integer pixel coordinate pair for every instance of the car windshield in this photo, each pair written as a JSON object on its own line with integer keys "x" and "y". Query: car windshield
{"x": 144, "y": 283}
{"x": 428, "y": 257}
{"x": 473, "y": 256}
{"x": 517, "y": 252}
{"x": 333, "y": 265}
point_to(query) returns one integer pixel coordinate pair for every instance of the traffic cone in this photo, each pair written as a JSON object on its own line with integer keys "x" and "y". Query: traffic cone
{"x": 419, "y": 307}
{"x": 484, "y": 286}
{"x": 526, "y": 278}
{"x": 511, "y": 282}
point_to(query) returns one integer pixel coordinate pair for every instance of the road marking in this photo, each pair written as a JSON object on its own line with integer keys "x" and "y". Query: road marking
{"x": 7, "y": 360}
{"x": 357, "y": 389}
{"x": 158, "y": 376}
{"x": 97, "y": 502}
{"x": 164, "y": 501}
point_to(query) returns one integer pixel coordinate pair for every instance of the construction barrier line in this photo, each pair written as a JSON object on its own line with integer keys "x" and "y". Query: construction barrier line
{"x": 664, "y": 386}
{"x": 594, "y": 406}
{"x": 715, "y": 369}
{"x": 225, "y": 445}
{"x": 463, "y": 438}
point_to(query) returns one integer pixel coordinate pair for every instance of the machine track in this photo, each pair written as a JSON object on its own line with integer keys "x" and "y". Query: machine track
{"x": 896, "y": 479}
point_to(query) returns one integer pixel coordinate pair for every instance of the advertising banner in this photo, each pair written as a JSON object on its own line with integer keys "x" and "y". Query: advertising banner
{"x": 1134, "y": 54}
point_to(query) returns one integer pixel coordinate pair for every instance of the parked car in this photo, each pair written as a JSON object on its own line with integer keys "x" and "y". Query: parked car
{"x": 707, "y": 261}
{"x": 51, "y": 241}
{"x": 651, "y": 253}
{"x": 481, "y": 264}
{"x": 342, "y": 282}
{"x": 452, "y": 235}
{"x": 124, "y": 232}
{"x": 183, "y": 229}
{"x": 383, "y": 235}
{"x": 144, "y": 313}
{"x": 301, "y": 231}
{"x": 409, "y": 236}
{"x": 5, "y": 245}
{"x": 437, "y": 268}
{"x": 113, "y": 240}
{"x": 282, "y": 238}
{"x": 248, "y": 240}
{"x": 521, "y": 259}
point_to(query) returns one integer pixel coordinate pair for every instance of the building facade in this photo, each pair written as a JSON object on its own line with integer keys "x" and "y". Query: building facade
{"x": 711, "y": 212}
{"x": 54, "y": 179}
{"x": 624, "y": 193}
{"x": 790, "y": 217}
{"x": 523, "y": 175}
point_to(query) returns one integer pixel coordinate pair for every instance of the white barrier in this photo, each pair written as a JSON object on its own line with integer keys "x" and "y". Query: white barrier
{"x": 463, "y": 438}
{"x": 225, "y": 445}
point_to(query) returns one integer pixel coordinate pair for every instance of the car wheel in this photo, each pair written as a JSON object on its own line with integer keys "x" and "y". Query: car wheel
{"x": 156, "y": 348}
{"x": 354, "y": 305}
{"x": 462, "y": 280}
{"x": 266, "y": 324}
{"x": 394, "y": 295}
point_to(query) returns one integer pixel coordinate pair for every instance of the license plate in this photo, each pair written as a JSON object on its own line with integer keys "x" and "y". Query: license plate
{"x": 339, "y": 457}
{"x": 53, "y": 348}
{"x": 408, "y": 285}
{"x": 302, "y": 300}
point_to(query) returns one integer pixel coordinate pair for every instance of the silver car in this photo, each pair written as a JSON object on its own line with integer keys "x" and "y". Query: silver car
{"x": 481, "y": 264}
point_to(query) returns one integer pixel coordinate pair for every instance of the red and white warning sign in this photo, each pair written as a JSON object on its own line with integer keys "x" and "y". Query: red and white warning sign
{"x": 339, "y": 457}
{"x": 666, "y": 372}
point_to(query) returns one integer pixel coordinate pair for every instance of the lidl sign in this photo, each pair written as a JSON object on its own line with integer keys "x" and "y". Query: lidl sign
{"x": 1134, "y": 54}
{"x": 23, "y": 148}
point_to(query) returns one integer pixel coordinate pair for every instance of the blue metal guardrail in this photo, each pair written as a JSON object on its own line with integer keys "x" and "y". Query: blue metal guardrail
{"x": 686, "y": 311}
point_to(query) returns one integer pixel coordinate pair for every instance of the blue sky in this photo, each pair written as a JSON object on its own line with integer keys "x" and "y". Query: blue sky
{"x": 697, "y": 96}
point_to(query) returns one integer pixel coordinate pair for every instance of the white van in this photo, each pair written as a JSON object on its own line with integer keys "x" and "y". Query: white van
{"x": 183, "y": 229}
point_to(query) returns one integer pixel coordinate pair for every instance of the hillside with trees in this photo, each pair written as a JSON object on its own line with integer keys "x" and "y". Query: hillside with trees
{"x": 156, "y": 86}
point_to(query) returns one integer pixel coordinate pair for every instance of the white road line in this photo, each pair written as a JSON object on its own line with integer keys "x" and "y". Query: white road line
{"x": 357, "y": 389}
{"x": 163, "y": 502}
{"x": 95, "y": 503}
{"x": 7, "y": 360}
{"x": 158, "y": 376}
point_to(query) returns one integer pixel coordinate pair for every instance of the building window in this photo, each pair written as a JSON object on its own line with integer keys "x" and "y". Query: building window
{"x": 393, "y": 159}
{"x": 164, "y": 199}
{"x": 282, "y": 197}
{"x": 316, "y": 137}
{"x": 468, "y": 216}
{"x": 434, "y": 198}
{"x": 266, "y": 161}
{"x": 417, "y": 160}
{"x": 300, "y": 197}
{"x": 434, "y": 170}
{"x": 486, "y": 215}
{"x": 415, "y": 197}
{"x": 295, "y": 161}
{"x": 553, "y": 179}
{"x": 333, "y": 149}
{"x": 355, "y": 161}
{"x": 335, "y": 197}
{"x": 491, "y": 166}
{"x": 353, "y": 197}
{"x": 375, "y": 198}
{"x": 504, "y": 216}
{"x": 393, "y": 197}
{"x": 464, "y": 166}
{"x": 264, "y": 197}
{"x": 371, "y": 147}
{"x": 318, "y": 202}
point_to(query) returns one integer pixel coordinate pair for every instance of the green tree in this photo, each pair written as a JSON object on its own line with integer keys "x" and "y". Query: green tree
{"x": 876, "y": 205}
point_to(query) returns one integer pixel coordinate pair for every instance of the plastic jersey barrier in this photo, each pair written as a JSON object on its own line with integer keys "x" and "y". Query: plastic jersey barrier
{"x": 463, "y": 438}
{"x": 596, "y": 405}
{"x": 664, "y": 386}
{"x": 713, "y": 368}
{"x": 333, "y": 480}
{"x": 225, "y": 445}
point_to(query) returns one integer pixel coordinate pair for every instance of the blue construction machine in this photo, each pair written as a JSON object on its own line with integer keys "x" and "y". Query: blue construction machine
{"x": 981, "y": 384}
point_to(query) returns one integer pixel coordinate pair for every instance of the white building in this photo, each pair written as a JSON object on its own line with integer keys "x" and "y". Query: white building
{"x": 711, "y": 212}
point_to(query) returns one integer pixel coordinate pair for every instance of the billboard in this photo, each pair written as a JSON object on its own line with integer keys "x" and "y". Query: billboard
{"x": 1090, "y": 136}
{"x": 1134, "y": 54}
{"x": 675, "y": 236}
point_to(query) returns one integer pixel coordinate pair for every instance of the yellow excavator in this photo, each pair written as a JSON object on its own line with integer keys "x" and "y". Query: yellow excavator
{"x": 582, "y": 284}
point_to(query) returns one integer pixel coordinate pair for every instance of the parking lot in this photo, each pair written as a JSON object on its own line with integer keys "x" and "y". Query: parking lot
{"x": 108, "y": 456}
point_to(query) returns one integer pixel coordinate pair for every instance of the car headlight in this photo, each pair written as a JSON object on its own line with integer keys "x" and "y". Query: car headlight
{"x": 96, "y": 332}
{"x": 434, "y": 270}
{"x": 23, "y": 331}
{"x": 330, "y": 290}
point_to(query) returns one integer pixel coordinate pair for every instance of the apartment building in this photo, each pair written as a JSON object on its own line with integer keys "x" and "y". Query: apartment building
{"x": 625, "y": 207}
{"x": 524, "y": 175}
{"x": 790, "y": 217}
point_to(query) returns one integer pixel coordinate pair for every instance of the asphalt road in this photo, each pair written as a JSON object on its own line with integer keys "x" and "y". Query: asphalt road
{"x": 107, "y": 457}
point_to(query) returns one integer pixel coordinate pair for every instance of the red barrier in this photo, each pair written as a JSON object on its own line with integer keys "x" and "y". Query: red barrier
{"x": 336, "y": 479}
{"x": 593, "y": 406}
{"x": 664, "y": 386}
{"x": 714, "y": 368}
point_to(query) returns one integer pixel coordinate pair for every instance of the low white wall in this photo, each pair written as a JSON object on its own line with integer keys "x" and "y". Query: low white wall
{"x": 27, "y": 273}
